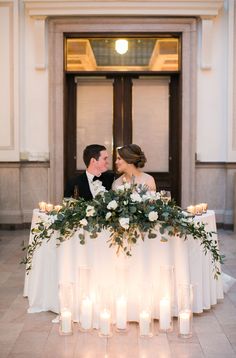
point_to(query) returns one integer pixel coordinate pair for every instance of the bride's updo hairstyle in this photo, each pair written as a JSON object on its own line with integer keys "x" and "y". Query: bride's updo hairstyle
{"x": 132, "y": 154}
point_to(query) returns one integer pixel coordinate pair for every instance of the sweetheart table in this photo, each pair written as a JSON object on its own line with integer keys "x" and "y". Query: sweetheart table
{"x": 53, "y": 265}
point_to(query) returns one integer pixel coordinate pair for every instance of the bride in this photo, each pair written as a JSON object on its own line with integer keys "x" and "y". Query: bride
{"x": 130, "y": 158}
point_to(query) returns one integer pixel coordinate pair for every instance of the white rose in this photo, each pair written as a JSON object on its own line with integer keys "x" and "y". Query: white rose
{"x": 124, "y": 222}
{"x": 135, "y": 197}
{"x": 90, "y": 211}
{"x": 152, "y": 216}
{"x": 157, "y": 195}
{"x": 83, "y": 222}
{"x": 127, "y": 185}
{"x": 98, "y": 188}
{"x": 112, "y": 205}
{"x": 108, "y": 215}
{"x": 52, "y": 219}
{"x": 121, "y": 187}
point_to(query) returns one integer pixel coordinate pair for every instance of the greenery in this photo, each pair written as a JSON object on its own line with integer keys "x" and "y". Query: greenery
{"x": 130, "y": 213}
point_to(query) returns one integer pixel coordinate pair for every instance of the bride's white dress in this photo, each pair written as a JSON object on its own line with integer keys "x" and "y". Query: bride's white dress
{"x": 143, "y": 179}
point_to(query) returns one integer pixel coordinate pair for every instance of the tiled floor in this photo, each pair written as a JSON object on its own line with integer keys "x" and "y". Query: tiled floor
{"x": 33, "y": 335}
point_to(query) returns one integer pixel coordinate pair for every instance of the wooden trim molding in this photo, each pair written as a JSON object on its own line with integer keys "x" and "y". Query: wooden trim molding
{"x": 211, "y": 165}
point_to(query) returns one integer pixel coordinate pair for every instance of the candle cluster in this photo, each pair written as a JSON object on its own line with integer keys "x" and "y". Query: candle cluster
{"x": 105, "y": 320}
{"x": 197, "y": 209}
{"x": 48, "y": 207}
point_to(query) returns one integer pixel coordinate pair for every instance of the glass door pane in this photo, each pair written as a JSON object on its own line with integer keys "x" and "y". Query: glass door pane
{"x": 94, "y": 118}
{"x": 151, "y": 121}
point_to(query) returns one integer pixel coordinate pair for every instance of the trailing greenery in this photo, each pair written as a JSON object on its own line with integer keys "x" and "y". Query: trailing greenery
{"x": 130, "y": 213}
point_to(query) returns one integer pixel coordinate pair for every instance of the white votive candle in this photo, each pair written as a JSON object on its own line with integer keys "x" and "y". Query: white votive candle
{"x": 121, "y": 312}
{"x": 165, "y": 314}
{"x": 184, "y": 323}
{"x": 191, "y": 209}
{"x": 198, "y": 209}
{"x": 66, "y": 324}
{"x": 42, "y": 205}
{"x": 49, "y": 207}
{"x": 144, "y": 323}
{"x": 86, "y": 313}
{"x": 204, "y": 207}
{"x": 105, "y": 322}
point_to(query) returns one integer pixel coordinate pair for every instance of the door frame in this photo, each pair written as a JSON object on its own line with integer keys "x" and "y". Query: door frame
{"x": 58, "y": 27}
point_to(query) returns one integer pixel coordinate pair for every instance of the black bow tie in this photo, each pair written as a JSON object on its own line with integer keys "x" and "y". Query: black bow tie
{"x": 96, "y": 178}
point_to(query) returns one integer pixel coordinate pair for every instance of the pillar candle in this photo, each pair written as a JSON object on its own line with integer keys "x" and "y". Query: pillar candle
{"x": 121, "y": 312}
{"x": 105, "y": 322}
{"x": 184, "y": 323}
{"x": 66, "y": 325}
{"x": 165, "y": 313}
{"x": 144, "y": 323}
{"x": 86, "y": 313}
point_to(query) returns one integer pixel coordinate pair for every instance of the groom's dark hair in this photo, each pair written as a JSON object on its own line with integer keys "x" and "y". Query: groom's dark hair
{"x": 92, "y": 151}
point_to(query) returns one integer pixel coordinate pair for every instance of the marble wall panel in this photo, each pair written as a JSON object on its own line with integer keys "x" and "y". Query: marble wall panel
{"x": 215, "y": 185}
{"x": 22, "y": 186}
{"x": 34, "y": 188}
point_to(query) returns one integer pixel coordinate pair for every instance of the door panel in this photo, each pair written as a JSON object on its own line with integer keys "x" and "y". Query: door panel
{"x": 151, "y": 121}
{"x": 94, "y": 115}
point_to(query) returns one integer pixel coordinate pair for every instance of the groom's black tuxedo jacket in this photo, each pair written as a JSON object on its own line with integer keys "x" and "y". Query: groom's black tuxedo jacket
{"x": 80, "y": 185}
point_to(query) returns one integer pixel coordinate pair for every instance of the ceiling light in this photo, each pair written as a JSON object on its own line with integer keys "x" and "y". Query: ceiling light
{"x": 121, "y": 46}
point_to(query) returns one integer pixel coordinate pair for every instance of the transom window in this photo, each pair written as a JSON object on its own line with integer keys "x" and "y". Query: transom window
{"x": 122, "y": 54}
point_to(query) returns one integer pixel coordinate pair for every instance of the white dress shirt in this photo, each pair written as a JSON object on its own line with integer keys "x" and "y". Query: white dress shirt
{"x": 91, "y": 183}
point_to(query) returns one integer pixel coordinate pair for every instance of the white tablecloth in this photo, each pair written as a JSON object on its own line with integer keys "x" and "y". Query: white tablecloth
{"x": 52, "y": 265}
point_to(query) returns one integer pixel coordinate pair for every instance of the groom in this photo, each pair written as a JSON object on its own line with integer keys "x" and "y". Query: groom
{"x": 95, "y": 157}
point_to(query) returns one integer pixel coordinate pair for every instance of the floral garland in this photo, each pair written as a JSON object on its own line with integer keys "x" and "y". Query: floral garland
{"x": 128, "y": 213}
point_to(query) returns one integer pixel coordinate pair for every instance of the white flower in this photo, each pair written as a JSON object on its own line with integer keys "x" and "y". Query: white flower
{"x": 108, "y": 215}
{"x": 83, "y": 222}
{"x": 90, "y": 211}
{"x": 51, "y": 219}
{"x": 98, "y": 188}
{"x": 127, "y": 185}
{"x": 152, "y": 216}
{"x": 135, "y": 197}
{"x": 151, "y": 195}
{"x": 124, "y": 222}
{"x": 112, "y": 205}
{"x": 120, "y": 187}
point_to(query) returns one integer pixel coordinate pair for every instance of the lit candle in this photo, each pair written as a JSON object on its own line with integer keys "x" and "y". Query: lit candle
{"x": 121, "y": 312}
{"x": 165, "y": 313}
{"x": 204, "y": 207}
{"x": 184, "y": 323}
{"x": 66, "y": 324}
{"x": 144, "y": 323}
{"x": 198, "y": 209}
{"x": 42, "y": 206}
{"x": 57, "y": 207}
{"x": 49, "y": 207}
{"x": 105, "y": 322}
{"x": 191, "y": 209}
{"x": 86, "y": 313}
